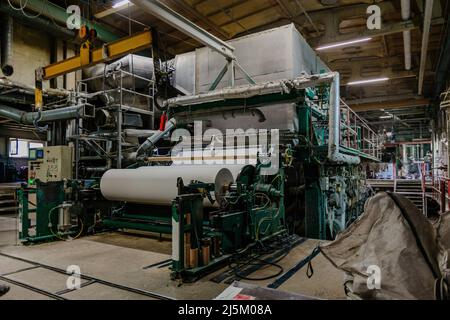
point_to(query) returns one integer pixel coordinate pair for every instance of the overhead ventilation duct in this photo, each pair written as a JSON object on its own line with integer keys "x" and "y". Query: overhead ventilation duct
{"x": 425, "y": 38}
{"x": 39, "y": 23}
{"x": 406, "y": 13}
{"x": 60, "y": 15}
{"x": 31, "y": 118}
{"x": 6, "y": 45}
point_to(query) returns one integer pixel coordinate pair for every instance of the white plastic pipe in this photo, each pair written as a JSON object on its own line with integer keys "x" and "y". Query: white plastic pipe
{"x": 334, "y": 155}
{"x": 406, "y": 13}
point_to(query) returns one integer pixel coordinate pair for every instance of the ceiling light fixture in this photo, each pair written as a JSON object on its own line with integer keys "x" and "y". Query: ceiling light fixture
{"x": 352, "y": 83}
{"x": 120, "y": 4}
{"x": 341, "y": 44}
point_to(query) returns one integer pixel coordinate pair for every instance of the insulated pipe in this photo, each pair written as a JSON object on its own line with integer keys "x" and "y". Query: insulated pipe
{"x": 39, "y": 23}
{"x": 29, "y": 90}
{"x": 7, "y": 42}
{"x": 139, "y": 133}
{"x": 30, "y": 118}
{"x": 231, "y": 114}
{"x": 151, "y": 141}
{"x": 334, "y": 126}
{"x": 248, "y": 91}
{"x": 61, "y": 15}
{"x": 406, "y": 13}
{"x": 425, "y": 36}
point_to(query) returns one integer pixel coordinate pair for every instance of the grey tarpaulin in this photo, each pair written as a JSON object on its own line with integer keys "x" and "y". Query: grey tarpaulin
{"x": 395, "y": 236}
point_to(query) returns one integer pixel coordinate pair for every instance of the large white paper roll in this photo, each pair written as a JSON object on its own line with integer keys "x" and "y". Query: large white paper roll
{"x": 158, "y": 184}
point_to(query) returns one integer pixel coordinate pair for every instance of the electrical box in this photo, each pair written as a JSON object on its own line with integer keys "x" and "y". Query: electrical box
{"x": 50, "y": 164}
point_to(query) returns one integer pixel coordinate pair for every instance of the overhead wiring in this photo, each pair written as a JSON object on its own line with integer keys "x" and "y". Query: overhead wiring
{"x": 23, "y": 7}
{"x": 15, "y": 8}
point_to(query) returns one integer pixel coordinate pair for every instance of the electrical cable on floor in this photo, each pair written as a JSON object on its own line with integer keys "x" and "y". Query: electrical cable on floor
{"x": 238, "y": 264}
{"x": 263, "y": 262}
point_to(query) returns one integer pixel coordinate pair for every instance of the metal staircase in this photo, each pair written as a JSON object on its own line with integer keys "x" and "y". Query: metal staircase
{"x": 411, "y": 189}
{"x": 8, "y": 202}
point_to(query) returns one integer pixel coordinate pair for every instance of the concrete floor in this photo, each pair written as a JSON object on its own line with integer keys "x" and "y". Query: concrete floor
{"x": 120, "y": 257}
{"x": 8, "y": 230}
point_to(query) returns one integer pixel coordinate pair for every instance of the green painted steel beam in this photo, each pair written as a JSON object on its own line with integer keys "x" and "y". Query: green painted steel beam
{"x": 60, "y": 15}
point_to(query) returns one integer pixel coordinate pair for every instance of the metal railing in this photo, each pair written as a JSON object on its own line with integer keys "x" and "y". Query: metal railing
{"x": 410, "y": 183}
{"x": 356, "y": 134}
{"x": 440, "y": 191}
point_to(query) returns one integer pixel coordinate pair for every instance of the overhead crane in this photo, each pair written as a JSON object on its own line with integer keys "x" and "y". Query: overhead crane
{"x": 90, "y": 56}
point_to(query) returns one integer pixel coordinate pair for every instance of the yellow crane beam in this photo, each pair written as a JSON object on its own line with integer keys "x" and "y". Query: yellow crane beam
{"x": 89, "y": 57}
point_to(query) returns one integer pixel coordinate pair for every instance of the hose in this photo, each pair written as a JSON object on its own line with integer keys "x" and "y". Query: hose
{"x": 57, "y": 235}
{"x": 35, "y": 122}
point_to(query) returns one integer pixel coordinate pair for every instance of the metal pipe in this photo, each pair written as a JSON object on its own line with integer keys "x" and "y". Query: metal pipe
{"x": 97, "y": 169}
{"x": 30, "y": 118}
{"x": 334, "y": 154}
{"x": 29, "y": 90}
{"x": 38, "y": 23}
{"x": 425, "y": 35}
{"x": 229, "y": 114}
{"x": 406, "y": 13}
{"x": 59, "y": 14}
{"x": 151, "y": 141}
{"x": 139, "y": 133}
{"x": 248, "y": 91}
{"x": 173, "y": 18}
{"x": 7, "y": 42}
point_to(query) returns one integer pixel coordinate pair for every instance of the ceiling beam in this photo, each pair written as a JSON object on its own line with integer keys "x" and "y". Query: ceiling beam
{"x": 283, "y": 4}
{"x": 387, "y": 29}
{"x": 389, "y": 105}
{"x": 197, "y": 15}
{"x": 112, "y": 10}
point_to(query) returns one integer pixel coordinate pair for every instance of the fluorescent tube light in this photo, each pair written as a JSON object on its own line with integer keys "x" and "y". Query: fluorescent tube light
{"x": 352, "y": 83}
{"x": 341, "y": 44}
{"x": 120, "y": 4}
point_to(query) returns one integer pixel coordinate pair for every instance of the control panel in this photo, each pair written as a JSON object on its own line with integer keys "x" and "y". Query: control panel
{"x": 50, "y": 164}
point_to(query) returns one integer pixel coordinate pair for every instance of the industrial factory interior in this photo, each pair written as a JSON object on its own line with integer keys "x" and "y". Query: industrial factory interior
{"x": 224, "y": 150}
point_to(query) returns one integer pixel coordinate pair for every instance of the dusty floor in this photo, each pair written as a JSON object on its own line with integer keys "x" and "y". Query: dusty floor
{"x": 119, "y": 258}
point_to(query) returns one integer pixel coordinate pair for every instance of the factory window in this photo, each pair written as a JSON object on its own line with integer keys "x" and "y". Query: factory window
{"x": 18, "y": 148}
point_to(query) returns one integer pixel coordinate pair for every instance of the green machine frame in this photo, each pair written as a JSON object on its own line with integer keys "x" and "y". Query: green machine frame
{"x": 313, "y": 100}
{"x": 223, "y": 233}
{"x": 48, "y": 196}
